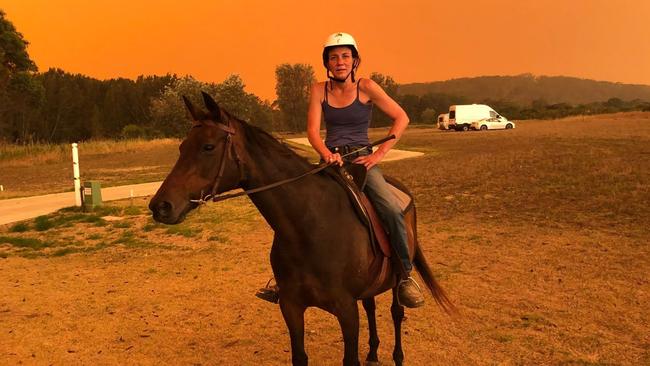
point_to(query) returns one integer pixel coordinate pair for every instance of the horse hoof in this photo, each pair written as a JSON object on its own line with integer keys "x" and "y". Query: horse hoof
{"x": 372, "y": 363}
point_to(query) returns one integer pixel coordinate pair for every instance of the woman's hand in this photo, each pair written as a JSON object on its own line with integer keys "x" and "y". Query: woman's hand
{"x": 334, "y": 158}
{"x": 370, "y": 160}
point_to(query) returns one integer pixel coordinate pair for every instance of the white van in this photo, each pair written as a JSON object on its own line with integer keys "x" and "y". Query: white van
{"x": 462, "y": 116}
{"x": 443, "y": 121}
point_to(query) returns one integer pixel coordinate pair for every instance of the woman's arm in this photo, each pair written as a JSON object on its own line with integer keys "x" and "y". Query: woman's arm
{"x": 384, "y": 102}
{"x": 313, "y": 125}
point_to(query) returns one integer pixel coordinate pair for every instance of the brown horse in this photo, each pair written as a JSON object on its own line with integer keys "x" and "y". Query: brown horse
{"x": 321, "y": 254}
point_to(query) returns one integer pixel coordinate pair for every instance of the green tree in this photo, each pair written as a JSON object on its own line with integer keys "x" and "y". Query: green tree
{"x": 429, "y": 116}
{"x": 386, "y": 82}
{"x": 292, "y": 88}
{"x": 168, "y": 112}
{"x": 13, "y": 50}
{"x": 20, "y": 94}
{"x": 25, "y": 99}
{"x": 230, "y": 95}
{"x": 412, "y": 106}
{"x": 389, "y": 85}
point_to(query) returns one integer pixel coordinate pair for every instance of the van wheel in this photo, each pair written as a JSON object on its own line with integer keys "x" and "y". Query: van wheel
{"x": 483, "y": 128}
{"x": 465, "y": 127}
{"x": 508, "y": 126}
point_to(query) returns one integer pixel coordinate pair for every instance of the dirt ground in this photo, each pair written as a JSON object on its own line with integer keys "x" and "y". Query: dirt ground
{"x": 539, "y": 235}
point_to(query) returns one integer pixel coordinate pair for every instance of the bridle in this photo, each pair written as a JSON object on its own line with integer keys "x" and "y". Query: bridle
{"x": 230, "y": 132}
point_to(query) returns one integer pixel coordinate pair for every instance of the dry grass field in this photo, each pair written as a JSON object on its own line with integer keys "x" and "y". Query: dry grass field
{"x": 42, "y": 169}
{"x": 539, "y": 234}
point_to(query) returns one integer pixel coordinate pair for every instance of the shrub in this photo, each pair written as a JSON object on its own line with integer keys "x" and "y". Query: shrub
{"x": 133, "y": 132}
{"x": 19, "y": 228}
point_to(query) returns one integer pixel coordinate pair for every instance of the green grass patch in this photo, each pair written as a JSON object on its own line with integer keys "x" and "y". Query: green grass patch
{"x": 182, "y": 231}
{"x": 43, "y": 223}
{"x": 151, "y": 227}
{"x": 64, "y": 251}
{"x": 19, "y": 228}
{"x": 25, "y": 242}
{"x": 29, "y": 254}
{"x": 218, "y": 238}
{"x": 129, "y": 240}
{"x": 61, "y": 219}
{"x": 99, "y": 246}
{"x": 122, "y": 225}
{"x": 107, "y": 211}
{"x": 132, "y": 211}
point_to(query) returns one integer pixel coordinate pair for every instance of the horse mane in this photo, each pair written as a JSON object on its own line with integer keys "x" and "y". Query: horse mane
{"x": 265, "y": 142}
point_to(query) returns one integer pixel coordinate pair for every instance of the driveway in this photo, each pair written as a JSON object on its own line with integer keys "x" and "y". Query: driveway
{"x": 18, "y": 209}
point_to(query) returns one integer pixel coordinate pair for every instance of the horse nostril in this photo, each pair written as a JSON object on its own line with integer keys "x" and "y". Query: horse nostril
{"x": 164, "y": 208}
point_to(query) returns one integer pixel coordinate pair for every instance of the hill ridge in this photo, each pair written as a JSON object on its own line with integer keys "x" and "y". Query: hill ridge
{"x": 527, "y": 88}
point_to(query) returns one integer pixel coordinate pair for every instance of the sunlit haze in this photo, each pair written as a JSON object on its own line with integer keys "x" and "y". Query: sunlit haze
{"x": 413, "y": 41}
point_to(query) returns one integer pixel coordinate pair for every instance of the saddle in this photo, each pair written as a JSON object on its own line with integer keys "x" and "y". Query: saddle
{"x": 352, "y": 178}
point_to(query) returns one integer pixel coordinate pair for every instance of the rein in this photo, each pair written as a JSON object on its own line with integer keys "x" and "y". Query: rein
{"x": 216, "y": 198}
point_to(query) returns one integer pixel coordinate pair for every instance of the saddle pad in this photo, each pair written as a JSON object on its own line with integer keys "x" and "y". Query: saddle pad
{"x": 366, "y": 211}
{"x": 403, "y": 198}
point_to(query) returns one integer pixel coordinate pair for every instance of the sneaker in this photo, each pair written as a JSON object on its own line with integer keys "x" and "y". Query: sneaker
{"x": 409, "y": 293}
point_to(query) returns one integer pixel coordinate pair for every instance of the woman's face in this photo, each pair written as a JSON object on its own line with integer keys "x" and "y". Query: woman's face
{"x": 340, "y": 61}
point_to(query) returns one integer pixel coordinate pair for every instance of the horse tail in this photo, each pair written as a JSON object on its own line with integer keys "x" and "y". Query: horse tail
{"x": 438, "y": 293}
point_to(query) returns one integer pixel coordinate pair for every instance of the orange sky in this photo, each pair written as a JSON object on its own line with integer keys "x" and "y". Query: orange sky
{"x": 409, "y": 40}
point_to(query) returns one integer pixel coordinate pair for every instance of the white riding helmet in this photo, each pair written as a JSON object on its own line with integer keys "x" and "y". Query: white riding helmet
{"x": 340, "y": 39}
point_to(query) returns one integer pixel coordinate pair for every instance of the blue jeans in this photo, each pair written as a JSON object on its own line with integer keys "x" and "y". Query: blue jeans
{"x": 390, "y": 213}
{"x": 388, "y": 209}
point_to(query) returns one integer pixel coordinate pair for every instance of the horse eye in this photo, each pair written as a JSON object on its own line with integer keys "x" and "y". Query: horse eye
{"x": 208, "y": 147}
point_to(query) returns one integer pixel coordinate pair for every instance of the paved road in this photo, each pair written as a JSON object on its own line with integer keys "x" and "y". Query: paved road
{"x": 18, "y": 209}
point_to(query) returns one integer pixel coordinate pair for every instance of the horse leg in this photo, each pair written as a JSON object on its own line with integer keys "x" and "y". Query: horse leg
{"x": 373, "y": 339}
{"x": 397, "y": 312}
{"x": 348, "y": 317}
{"x": 294, "y": 317}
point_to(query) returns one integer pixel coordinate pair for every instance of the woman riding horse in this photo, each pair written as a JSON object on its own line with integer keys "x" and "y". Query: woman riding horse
{"x": 321, "y": 253}
{"x": 346, "y": 105}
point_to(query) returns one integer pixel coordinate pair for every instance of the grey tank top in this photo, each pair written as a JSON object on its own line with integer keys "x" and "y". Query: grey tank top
{"x": 347, "y": 125}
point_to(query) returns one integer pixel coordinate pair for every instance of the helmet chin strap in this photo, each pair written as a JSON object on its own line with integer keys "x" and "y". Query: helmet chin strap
{"x": 351, "y": 73}
{"x": 340, "y": 80}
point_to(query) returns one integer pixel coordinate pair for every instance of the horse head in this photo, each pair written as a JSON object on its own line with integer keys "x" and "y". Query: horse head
{"x": 207, "y": 164}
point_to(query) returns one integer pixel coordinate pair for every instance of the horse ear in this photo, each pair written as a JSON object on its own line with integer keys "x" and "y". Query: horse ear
{"x": 190, "y": 107}
{"x": 213, "y": 107}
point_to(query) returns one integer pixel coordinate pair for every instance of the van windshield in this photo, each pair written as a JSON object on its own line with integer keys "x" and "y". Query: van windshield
{"x": 452, "y": 114}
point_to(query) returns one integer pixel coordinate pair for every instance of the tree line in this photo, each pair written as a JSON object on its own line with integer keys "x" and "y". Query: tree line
{"x": 57, "y": 106}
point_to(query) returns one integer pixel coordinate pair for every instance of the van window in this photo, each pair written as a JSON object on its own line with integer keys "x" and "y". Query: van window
{"x": 493, "y": 114}
{"x": 452, "y": 114}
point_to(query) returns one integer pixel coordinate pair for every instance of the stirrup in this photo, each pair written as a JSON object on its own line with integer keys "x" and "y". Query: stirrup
{"x": 408, "y": 279}
{"x": 411, "y": 302}
{"x": 269, "y": 292}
